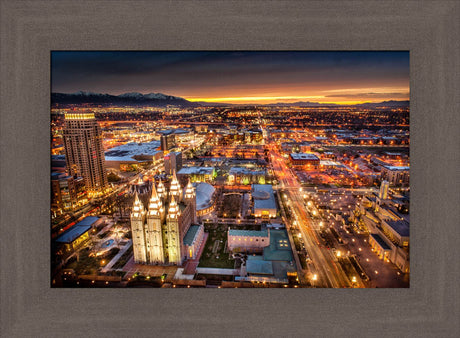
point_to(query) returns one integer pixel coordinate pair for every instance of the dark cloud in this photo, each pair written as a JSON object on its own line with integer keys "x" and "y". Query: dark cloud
{"x": 200, "y": 73}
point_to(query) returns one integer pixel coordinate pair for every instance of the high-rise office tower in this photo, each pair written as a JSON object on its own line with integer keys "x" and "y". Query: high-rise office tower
{"x": 383, "y": 194}
{"x": 168, "y": 141}
{"x": 173, "y": 162}
{"x": 84, "y": 151}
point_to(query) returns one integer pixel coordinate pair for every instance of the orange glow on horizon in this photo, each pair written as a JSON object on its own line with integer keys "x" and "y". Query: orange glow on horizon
{"x": 263, "y": 100}
{"x": 341, "y": 96}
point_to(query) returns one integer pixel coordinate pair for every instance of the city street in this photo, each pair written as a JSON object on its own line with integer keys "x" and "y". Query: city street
{"x": 328, "y": 272}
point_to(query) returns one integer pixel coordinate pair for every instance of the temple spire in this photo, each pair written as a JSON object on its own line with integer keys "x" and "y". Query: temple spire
{"x": 189, "y": 191}
{"x": 173, "y": 210}
{"x": 161, "y": 190}
{"x": 174, "y": 189}
{"x": 155, "y": 205}
{"x": 138, "y": 207}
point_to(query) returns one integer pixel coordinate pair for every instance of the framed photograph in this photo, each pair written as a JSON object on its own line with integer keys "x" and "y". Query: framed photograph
{"x": 202, "y": 168}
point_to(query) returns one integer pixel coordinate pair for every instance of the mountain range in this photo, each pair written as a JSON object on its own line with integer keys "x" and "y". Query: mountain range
{"x": 130, "y": 99}
{"x": 161, "y": 100}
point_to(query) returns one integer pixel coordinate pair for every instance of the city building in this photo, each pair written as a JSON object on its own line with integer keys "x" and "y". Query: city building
{"x": 241, "y": 175}
{"x": 269, "y": 256}
{"x": 383, "y": 193}
{"x": 84, "y": 152}
{"x": 264, "y": 201}
{"x": 301, "y": 159}
{"x": 193, "y": 240}
{"x": 173, "y": 162}
{"x": 249, "y": 241}
{"x": 158, "y": 231}
{"x": 58, "y": 163}
{"x": 389, "y": 231}
{"x": 205, "y": 201}
{"x": 168, "y": 140}
{"x": 395, "y": 175}
{"x": 129, "y": 156}
{"x": 67, "y": 192}
{"x": 74, "y": 237}
{"x": 196, "y": 174}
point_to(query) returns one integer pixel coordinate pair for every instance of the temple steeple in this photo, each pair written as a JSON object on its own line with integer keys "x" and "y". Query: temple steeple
{"x": 174, "y": 189}
{"x": 189, "y": 191}
{"x": 137, "y": 228}
{"x": 173, "y": 211}
{"x": 161, "y": 190}
{"x": 138, "y": 207}
{"x": 155, "y": 205}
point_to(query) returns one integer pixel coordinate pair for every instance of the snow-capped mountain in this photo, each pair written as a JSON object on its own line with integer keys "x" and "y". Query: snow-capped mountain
{"x": 133, "y": 98}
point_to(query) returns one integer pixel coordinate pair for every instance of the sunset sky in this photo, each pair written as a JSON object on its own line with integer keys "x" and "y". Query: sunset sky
{"x": 238, "y": 77}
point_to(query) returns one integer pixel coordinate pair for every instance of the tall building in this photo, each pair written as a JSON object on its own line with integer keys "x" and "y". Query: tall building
{"x": 173, "y": 162}
{"x": 383, "y": 194}
{"x": 168, "y": 141}
{"x": 84, "y": 151}
{"x": 158, "y": 233}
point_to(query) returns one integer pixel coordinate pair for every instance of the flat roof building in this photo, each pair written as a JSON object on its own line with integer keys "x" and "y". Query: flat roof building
{"x": 196, "y": 174}
{"x": 249, "y": 241}
{"x": 74, "y": 237}
{"x": 133, "y": 153}
{"x": 264, "y": 201}
{"x": 304, "y": 159}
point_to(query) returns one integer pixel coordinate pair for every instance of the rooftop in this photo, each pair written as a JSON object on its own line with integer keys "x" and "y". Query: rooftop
{"x": 304, "y": 156}
{"x": 394, "y": 168}
{"x": 279, "y": 248}
{"x": 249, "y": 233}
{"x": 242, "y": 170}
{"x": 329, "y": 163}
{"x": 90, "y": 220}
{"x": 380, "y": 241}
{"x": 196, "y": 170}
{"x": 256, "y": 265}
{"x": 173, "y": 131}
{"x": 265, "y": 202}
{"x": 127, "y": 151}
{"x": 401, "y": 227}
{"x": 204, "y": 192}
{"x": 191, "y": 234}
{"x": 73, "y": 233}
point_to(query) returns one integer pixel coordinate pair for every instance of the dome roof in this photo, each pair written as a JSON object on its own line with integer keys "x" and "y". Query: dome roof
{"x": 261, "y": 195}
{"x": 204, "y": 193}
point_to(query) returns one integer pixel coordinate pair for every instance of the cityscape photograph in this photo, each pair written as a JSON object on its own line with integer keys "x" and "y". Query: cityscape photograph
{"x": 230, "y": 169}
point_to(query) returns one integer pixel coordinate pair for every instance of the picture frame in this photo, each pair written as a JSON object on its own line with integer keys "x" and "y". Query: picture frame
{"x": 31, "y": 29}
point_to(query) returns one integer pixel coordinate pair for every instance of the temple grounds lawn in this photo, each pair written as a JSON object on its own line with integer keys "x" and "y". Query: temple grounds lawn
{"x": 215, "y": 254}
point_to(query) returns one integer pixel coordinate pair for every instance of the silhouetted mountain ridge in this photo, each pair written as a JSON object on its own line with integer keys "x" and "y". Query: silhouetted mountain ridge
{"x": 160, "y": 100}
{"x": 135, "y": 99}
